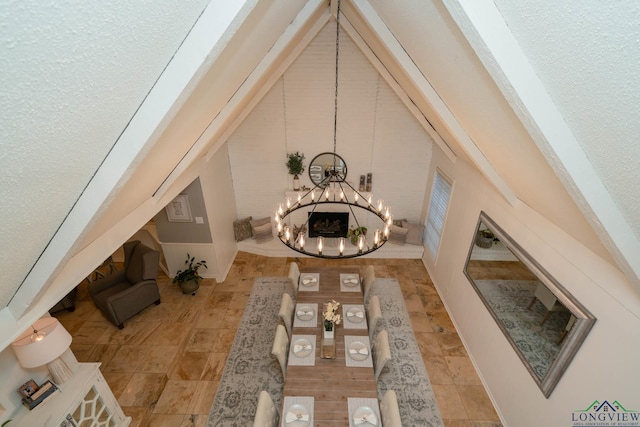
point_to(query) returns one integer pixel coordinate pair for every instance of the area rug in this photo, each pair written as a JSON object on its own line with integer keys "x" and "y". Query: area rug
{"x": 250, "y": 367}
{"x": 406, "y": 374}
{"x": 509, "y": 300}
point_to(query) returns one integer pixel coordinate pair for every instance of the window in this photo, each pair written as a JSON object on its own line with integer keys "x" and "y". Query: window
{"x": 437, "y": 213}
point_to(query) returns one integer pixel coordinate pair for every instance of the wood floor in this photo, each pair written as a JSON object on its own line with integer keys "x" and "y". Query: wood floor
{"x": 164, "y": 366}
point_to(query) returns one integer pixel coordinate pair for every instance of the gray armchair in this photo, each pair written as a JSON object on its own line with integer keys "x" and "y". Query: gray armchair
{"x": 126, "y": 293}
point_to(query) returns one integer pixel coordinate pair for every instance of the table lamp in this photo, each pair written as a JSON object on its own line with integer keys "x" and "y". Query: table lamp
{"x": 42, "y": 345}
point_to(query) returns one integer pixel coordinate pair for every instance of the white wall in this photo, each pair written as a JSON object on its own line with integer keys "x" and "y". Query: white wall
{"x": 604, "y": 367}
{"x": 376, "y": 133}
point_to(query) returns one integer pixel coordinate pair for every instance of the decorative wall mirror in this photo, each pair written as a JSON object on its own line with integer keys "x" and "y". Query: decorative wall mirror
{"x": 323, "y": 164}
{"x": 543, "y": 322}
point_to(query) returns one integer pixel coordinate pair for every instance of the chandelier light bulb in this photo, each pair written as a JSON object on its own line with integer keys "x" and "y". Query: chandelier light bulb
{"x": 355, "y": 198}
{"x": 369, "y": 199}
{"x": 279, "y": 227}
{"x": 376, "y": 238}
{"x": 386, "y": 231}
{"x": 280, "y": 210}
{"x": 320, "y": 244}
{"x": 341, "y": 196}
{"x": 288, "y": 202}
{"x": 287, "y": 234}
{"x": 313, "y": 195}
{"x": 341, "y": 246}
{"x": 326, "y": 194}
{"x": 301, "y": 240}
{"x": 299, "y": 198}
{"x": 360, "y": 243}
{"x": 380, "y": 205}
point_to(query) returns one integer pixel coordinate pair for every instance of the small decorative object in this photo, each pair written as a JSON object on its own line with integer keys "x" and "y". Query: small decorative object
{"x": 188, "y": 279}
{"x": 33, "y": 395}
{"x": 299, "y": 229}
{"x": 354, "y": 233}
{"x": 331, "y": 318}
{"x": 362, "y": 186}
{"x": 179, "y": 210}
{"x": 369, "y": 182}
{"x": 485, "y": 238}
{"x": 295, "y": 167}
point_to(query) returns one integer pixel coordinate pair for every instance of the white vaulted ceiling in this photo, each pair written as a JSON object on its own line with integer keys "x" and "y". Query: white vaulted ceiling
{"x": 105, "y": 108}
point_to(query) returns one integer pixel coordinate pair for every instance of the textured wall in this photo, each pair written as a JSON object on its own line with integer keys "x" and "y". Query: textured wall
{"x": 72, "y": 75}
{"x": 376, "y": 133}
{"x": 587, "y": 54}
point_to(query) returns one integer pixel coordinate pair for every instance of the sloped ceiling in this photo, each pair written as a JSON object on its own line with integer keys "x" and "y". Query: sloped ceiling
{"x": 51, "y": 153}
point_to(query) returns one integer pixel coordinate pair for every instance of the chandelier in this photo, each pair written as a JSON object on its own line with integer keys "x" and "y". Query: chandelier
{"x": 334, "y": 190}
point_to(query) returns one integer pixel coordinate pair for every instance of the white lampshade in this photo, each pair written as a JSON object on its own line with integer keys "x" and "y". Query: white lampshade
{"x": 33, "y": 353}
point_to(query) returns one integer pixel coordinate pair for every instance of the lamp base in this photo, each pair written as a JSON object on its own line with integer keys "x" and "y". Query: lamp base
{"x": 59, "y": 371}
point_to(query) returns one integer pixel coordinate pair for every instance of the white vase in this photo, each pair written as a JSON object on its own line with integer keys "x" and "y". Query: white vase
{"x": 296, "y": 183}
{"x": 328, "y": 334}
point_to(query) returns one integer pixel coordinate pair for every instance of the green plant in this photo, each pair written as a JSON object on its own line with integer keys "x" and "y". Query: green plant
{"x": 354, "y": 232}
{"x": 295, "y": 163}
{"x": 191, "y": 272}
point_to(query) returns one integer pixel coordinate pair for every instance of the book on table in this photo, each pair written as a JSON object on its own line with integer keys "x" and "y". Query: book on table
{"x": 46, "y": 391}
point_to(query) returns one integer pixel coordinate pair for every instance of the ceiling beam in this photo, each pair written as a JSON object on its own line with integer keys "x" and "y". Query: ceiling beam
{"x": 288, "y": 46}
{"x": 382, "y": 69}
{"x": 217, "y": 22}
{"x": 439, "y": 110}
{"x": 490, "y": 37}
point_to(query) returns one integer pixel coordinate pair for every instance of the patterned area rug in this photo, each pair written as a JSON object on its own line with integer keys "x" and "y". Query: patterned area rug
{"x": 251, "y": 368}
{"x": 407, "y": 374}
{"x": 509, "y": 300}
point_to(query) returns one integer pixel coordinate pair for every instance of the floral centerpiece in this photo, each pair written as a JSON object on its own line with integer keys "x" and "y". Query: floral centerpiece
{"x": 331, "y": 315}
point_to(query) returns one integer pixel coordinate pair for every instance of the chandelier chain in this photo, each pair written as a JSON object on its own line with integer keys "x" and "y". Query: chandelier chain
{"x": 335, "y": 102}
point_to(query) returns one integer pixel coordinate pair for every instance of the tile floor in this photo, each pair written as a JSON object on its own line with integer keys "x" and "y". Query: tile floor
{"x": 164, "y": 366}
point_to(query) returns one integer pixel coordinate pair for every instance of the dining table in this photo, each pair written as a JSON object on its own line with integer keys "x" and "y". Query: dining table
{"x": 338, "y": 391}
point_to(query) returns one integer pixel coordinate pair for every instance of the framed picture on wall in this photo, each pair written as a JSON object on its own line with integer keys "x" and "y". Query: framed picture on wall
{"x": 179, "y": 210}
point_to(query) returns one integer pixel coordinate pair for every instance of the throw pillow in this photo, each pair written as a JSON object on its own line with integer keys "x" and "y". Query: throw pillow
{"x": 416, "y": 231}
{"x": 242, "y": 229}
{"x": 257, "y": 222}
{"x": 263, "y": 233}
{"x": 399, "y": 222}
{"x": 398, "y": 235}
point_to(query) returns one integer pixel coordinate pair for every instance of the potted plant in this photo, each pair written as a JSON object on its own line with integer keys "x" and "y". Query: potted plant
{"x": 485, "y": 238}
{"x": 189, "y": 278}
{"x": 354, "y": 233}
{"x": 295, "y": 167}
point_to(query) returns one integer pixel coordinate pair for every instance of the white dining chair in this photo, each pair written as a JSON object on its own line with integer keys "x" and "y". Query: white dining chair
{"x": 374, "y": 313}
{"x": 382, "y": 352}
{"x": 280, "y": 348}
{"x": 294, "y": 276}
{"x": 286, "y": 312}
{"x": 389, "y": 410}
{"x": 369, "y": 278}
{"x": 266, "y": 412}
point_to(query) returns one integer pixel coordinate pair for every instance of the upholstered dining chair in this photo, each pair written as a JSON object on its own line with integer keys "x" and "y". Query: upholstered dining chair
{"x": 286, "y": 312}
{"x": 389, "y": 410}
{"x": 374, "y": 313}
{"x": 369, "y": 278}
{"x": 124, "y": 294}
{"x": 294, "y": 276}
{"x": 381, "y": 352}
{"x": 266, "y": 412}
{"x": 280, "y": 348}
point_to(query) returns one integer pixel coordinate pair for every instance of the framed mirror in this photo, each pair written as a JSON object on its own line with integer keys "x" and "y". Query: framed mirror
{"x": 322, "y": 165}
{"x": 543, "y": 322}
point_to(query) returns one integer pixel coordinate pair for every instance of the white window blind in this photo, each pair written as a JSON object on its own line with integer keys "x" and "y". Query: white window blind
{"x": 440, "y": 194}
